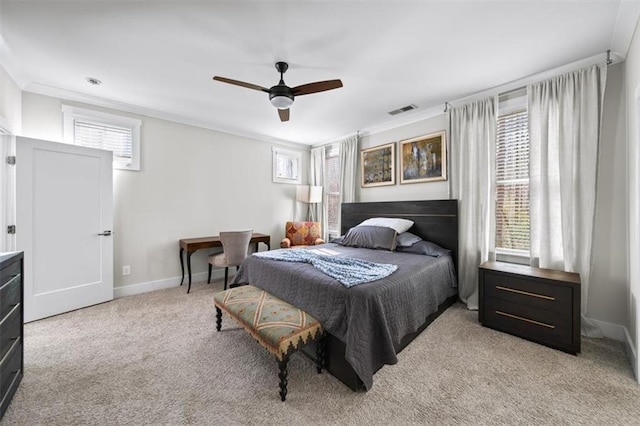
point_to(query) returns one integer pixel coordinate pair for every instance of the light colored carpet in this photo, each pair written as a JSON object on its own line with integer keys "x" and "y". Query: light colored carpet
{"x": 157, "y": 359}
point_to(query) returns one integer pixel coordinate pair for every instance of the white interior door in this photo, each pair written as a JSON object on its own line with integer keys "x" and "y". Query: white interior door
{"x": 63, "y": 203}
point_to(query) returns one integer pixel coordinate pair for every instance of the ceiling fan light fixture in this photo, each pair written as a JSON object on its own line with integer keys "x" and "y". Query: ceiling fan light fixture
{"x": 281, "y": 101}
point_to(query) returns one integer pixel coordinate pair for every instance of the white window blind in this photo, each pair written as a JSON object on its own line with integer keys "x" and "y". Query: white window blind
{"x": 512, "y": 182}
{"x": 332, "y": 196}
{"x": 111, "y": 132}
{"x": 101, "y": 136}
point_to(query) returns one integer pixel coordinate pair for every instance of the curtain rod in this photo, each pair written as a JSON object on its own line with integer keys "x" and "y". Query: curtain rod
{"x": 522, "y": 82}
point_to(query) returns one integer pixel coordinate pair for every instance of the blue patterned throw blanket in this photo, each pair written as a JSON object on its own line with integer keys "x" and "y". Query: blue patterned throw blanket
{"x": 347, "y": 270}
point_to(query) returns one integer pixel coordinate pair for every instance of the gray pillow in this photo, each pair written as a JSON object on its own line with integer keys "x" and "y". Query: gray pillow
{"x": 407, "y": 239}
{"x": 427, "y": 248}
{"x": 373, "y": 237}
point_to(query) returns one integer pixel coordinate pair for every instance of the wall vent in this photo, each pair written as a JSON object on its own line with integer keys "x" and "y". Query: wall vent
{"x": 403, "y": 109}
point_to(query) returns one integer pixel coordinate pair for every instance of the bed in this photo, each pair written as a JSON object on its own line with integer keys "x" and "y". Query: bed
{"x": 368, "y": 324}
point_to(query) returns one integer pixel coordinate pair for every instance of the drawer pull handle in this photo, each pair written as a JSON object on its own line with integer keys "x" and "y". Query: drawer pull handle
{"x": 525, "y": 319}
{"x": 16, "y": 306}
{"x": 10, "y": 351}
{"x": 526, "y": 293}
{"x": 11, "y": 281}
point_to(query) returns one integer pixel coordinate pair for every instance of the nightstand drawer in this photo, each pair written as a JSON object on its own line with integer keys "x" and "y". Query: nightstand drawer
{"x": 547, "y": 327}
{"x": 10, "y": 366}
{"x": 537, "y": 294}
{"x": 10, "y": 329}
{"x": 8, "y": 272}
{"x": 10, "y": 295}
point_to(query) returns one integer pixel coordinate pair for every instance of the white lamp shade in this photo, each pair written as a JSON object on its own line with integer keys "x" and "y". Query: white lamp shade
{"x": 315, "y": 194}
{"x": 309, "y": 194}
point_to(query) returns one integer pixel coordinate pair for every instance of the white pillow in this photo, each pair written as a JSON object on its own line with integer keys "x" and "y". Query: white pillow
{"x": 400, "y": 225}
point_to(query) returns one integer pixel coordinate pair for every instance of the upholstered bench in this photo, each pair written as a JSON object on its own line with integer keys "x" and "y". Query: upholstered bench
{"x": 277, "y": 325}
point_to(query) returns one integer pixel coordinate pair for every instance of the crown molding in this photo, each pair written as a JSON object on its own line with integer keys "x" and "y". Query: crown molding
{"x": 626, "y": 24}
{"x": 91, "y": 100}
{"x": 410, "y": 118}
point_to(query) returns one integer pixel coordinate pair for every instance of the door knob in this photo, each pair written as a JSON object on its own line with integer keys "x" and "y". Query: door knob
{"x": 105, "y": 233}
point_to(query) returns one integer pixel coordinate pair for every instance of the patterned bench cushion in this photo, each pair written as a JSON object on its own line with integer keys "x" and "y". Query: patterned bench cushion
{"x": 279, "y": 326}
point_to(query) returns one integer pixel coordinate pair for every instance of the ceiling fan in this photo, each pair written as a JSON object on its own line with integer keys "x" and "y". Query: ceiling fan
{"x": 281, "y": 95}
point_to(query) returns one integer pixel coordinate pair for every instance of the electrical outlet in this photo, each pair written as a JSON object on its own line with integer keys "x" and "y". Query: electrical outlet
{"x": 126, "y": 270}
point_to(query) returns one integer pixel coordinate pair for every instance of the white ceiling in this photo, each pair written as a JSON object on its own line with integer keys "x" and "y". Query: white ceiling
{"x": 159, "y": 57}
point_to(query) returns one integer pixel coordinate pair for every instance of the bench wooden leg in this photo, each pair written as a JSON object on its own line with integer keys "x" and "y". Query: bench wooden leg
{"x": 218, "y": 318}
{"x": 283, "y": 377}
{"x": 320, "y": 347}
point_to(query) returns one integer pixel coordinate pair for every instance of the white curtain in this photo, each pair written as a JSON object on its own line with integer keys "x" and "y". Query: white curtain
{"x": 348, "y": 167}
{"x": 316, "y": 177}
{"x": 565, "y": 115}
{"x": 472, "y": 131}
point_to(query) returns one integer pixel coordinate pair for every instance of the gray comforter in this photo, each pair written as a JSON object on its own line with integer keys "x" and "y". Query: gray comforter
{"x": 370, "y": 318}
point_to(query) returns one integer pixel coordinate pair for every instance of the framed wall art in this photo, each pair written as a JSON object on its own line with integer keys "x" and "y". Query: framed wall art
{"x": 378, "y": 165}
{"x": 423, "y": 159}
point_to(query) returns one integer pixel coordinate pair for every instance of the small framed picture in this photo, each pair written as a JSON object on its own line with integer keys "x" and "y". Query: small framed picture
{"x": 378, "y": 165}
{"x": 423, "y": 159}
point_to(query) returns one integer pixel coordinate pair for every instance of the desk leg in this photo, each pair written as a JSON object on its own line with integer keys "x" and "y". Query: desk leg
{"x": 181, "y": 265}
{"x": 189, "y": 269}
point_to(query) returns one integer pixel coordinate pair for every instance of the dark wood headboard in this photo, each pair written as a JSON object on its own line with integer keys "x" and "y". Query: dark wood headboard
{"x": 434, "y": 220}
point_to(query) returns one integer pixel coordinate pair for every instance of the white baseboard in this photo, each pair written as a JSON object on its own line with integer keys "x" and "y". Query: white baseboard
{"x": 611, "y": 331}
{"x": 621, "y": 334}
{"x": 131, "y": 289}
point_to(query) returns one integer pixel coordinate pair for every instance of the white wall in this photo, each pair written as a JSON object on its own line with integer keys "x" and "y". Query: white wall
{"x": 632, "y": 91}
{"x": 10, "y": 103}
{"x": 411, "y": 191}
{"x": 193, "y": 182}
{"x": 608, "y": 287}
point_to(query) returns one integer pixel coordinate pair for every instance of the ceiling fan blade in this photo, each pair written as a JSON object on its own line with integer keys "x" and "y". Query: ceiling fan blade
{"x": 241, "y": 84}
{"x": 284, "y": 114}
{"x": 318, "y": 86}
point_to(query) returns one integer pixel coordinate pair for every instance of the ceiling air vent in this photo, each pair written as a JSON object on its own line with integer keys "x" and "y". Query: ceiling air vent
{"x": 403, "y": 109}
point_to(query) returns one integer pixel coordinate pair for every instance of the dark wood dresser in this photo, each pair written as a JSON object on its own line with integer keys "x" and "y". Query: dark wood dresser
{"x": 11, "y": 321}
{"x": 541, "y": 305}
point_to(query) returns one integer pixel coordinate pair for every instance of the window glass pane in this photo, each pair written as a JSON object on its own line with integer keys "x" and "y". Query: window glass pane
{"x": 512, "y": 216}
{"x": 512, "y": 182}
{"x": 332, "y": 183}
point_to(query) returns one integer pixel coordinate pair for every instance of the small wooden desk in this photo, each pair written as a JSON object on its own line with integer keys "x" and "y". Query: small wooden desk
{"x": 191, "y": 245}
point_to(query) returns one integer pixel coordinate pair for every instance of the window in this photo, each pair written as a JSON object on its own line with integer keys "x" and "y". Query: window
{"x": 332, "y": 189}
{"x": 286, "y": 166}
{"x": 512, "y": 178}
{"x": 115, "y": 133}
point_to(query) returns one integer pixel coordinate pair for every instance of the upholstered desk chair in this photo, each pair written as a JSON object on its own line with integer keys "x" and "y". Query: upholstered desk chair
{"x": 235, "y": 246}
{"x": 302, "y": 234}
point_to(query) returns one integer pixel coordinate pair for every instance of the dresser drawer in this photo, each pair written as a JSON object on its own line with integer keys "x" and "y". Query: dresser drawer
{"x": 539, "y": 294}
{"x": 10, "y": 328}
{"x": 547, "y": 327}
{"x": 8, "y": 272}
{"x": 10, "y": 295}
{"x": 10, "y": 366}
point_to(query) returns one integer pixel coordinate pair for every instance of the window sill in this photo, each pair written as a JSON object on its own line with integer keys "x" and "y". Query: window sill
{"x": 512, "y": 256}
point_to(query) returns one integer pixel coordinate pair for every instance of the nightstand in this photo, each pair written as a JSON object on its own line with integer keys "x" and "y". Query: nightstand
{"x": 541, "y": 305}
